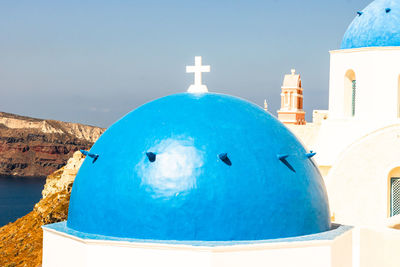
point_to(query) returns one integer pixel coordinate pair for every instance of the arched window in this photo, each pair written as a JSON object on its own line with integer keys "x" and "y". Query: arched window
{"x": 287, "y": 100}
{"x": 350, "y": 89}
{"x": 394, "y": 192}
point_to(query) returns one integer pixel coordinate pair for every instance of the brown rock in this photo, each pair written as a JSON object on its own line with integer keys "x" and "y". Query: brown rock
{"x": 36, "y": 147}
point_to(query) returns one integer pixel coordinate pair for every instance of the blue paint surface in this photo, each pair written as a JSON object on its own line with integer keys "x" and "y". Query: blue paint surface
{"x": 378, "y": 25}
{"x": 189, "y": 192}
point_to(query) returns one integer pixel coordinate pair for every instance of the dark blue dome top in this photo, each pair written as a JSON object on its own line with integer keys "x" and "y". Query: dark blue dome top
{"x": 200, "y": 167}
{"x": 377, "y": 25}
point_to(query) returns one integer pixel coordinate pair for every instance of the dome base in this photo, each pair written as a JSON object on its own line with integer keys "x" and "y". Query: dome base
{"x": 79, "y": 249}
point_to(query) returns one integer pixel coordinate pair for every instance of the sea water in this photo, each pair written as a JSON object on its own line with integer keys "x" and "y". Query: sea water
{"x": 18, "y": 195}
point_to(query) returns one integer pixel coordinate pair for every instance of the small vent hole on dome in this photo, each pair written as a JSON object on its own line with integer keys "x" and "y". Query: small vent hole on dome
{"x": 359, "y": 13}
{"x": 91, "y": 155}
{"x": 388, "y": 10}
{"x": 225, "y": 159}
{"x": 151, "y": 156}
{"x": 283, "y": 159}
{"x": 311, "y": 154}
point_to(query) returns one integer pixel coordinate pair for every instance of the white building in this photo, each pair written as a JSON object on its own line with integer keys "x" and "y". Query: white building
{"x": 358, "y": 138}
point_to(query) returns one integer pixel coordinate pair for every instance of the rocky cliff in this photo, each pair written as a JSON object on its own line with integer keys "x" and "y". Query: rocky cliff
{"x": 21, "y": 241}
{"x": 36, "y": 147}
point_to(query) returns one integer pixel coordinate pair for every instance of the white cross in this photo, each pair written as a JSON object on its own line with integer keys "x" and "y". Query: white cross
{"x": 197, "y": 69}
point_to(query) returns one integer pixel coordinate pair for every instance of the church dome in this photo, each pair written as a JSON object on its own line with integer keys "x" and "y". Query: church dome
{"x": 377, "y": 25}
{"x": 199, "y": 167}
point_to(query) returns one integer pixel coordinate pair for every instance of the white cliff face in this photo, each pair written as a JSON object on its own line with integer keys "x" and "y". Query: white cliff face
{"x": 81, "y": 131}
{"x": 86, "y": 132}
{"x": 63, "y": 178}
{"x": 23, "y": 124}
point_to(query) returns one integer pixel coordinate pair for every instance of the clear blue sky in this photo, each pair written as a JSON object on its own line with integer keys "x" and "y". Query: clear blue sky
{"x": 94, "y": 61}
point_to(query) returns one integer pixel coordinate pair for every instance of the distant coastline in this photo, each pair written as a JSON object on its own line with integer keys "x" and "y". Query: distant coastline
{"x": 23, "y": 177}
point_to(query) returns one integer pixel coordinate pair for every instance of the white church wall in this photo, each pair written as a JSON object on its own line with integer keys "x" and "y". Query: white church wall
{"x": 58, "y": 247}
{"x": 377, "y": 74}
{"x": 279, "y": 256}
{"x": 113, "y": 254}
{"x": 332, "y": 137}
{"x": 357, "y": 247}
{"x": 379, "y": 247}
{"x": 342, "y": 250}
{"x": 358, "y": 185}
{"x": 59, "y": 251}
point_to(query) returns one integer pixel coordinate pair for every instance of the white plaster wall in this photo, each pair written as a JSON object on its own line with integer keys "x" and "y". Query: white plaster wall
{"x": 377, "y": 71}
{"x": 358, "y": 181}
{"x": 61, "y": 250}
{"x": 114, "y": 255}
{"x": 342, "y": 250}
{"x": 370, "y": 247}
{"x": 379, "y": 247}
{"x": 333, "y": 137}
{"x": 314, "y": 256}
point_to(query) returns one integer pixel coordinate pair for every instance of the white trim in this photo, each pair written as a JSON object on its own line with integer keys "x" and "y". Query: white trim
{"x": 364, "y": 49}
{"x": 226, "y": 248}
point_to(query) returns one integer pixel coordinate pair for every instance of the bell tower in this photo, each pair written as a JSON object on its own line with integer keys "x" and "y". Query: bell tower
{"x": 291, "y": 111}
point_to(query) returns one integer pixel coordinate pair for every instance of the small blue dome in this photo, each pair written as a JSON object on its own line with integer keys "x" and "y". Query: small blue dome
{"x": 377, "y": 25}
{"x": 199, "y": 167}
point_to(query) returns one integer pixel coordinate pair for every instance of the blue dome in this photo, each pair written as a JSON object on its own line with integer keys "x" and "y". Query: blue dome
{"x": 377, "y": 25}
{"x": 199, "y": 167}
